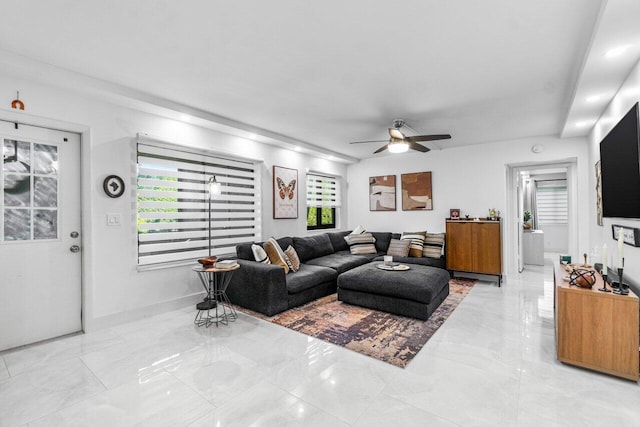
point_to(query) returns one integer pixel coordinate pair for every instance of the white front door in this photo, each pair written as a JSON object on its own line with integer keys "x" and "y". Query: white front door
{"x": 40, "y": 240}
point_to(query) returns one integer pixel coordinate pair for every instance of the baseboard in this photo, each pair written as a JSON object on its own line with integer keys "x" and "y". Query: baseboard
{"x": 141, "y": 313}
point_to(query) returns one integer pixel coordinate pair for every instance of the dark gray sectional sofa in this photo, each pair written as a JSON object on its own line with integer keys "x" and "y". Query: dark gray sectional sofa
{"x": 323, "y": 257}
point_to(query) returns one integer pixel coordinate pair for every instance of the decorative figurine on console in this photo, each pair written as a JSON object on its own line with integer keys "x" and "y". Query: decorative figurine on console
{"x": 604, "y": 271}
{"x": 582, "y": 278}
{"x": 619, "y": 287}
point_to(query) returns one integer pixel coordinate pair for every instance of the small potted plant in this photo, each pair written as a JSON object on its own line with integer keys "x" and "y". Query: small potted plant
{"x": 527, "y": 219}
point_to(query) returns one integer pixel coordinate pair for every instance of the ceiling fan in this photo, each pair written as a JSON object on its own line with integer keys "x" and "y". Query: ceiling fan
{"x": 399, "y": 143}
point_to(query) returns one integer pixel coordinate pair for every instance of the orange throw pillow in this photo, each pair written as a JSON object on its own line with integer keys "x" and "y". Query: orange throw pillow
{"x": 275, "y": 254}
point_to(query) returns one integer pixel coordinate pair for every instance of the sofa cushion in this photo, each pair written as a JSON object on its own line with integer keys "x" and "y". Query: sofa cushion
{"x": 341, "y": 262}
{"x": 312, "y": 246}
{"x": 337, "y": 240}
{"x": 308, "y": 277}
{"x": 382, "y": 241}
{"x": 419, "y": 284}
{"x": 399, "y": 248}
{"x": 276, "y": 254}
{"x": 433, "y": 245}
{"x": 417, "y": 242}
{"x": 285, "y": 242}
{"x": 243, "y": 251}
{"x": 361, "y": 243}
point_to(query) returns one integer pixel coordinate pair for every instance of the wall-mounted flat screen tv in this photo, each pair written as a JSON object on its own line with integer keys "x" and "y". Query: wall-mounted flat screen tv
{"x": 620, "y": 166}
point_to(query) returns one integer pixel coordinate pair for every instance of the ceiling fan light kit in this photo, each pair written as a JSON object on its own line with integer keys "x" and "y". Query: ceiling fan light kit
{"x": 398, "y": 146}
{"x": 399, "y": 143}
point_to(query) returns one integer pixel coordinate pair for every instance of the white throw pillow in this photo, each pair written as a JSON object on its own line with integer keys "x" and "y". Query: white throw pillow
{"x": 358, "y": 230}
{"x": 260, "y": 254}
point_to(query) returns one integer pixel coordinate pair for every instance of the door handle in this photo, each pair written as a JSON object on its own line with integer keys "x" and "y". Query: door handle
{"x": 75, "y": 249}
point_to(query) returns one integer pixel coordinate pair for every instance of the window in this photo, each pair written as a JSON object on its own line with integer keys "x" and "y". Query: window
{"x": 175, "y": 210}
{"x": 323, "y": 197}
{"x": 551, "y": 201}
{"x": 30, "y": 191}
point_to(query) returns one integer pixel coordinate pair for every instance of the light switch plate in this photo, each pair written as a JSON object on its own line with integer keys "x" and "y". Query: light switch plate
{"x": 114, "y": 219}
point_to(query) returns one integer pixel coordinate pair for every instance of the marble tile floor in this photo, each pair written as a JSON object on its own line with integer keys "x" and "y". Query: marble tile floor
{"x": 491, "y": 364}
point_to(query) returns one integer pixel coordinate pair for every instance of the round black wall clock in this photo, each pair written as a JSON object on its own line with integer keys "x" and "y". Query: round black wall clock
{"x": 113, "y": 186}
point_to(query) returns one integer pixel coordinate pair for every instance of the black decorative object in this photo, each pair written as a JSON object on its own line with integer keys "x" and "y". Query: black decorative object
{"x": 631, "y": 235}
{"x": 619, "y": 287}
{"x": 582, "y": 278}
{"x": 113, "y": 186}
{"x": 604, "y": 284}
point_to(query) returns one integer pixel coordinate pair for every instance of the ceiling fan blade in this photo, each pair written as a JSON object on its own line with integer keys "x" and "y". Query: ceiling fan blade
{"x": 381, "y": 149}
{"x": 366, "y": 142}
{"x": 396, "y": 134}
{"x": 419, "y": 138}
{"x": 418, "y": 147}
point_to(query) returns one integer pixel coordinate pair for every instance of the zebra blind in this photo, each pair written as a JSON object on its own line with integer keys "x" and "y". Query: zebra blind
{"x": 323, "y": 191}
{"x": 551, "y": 200}
{"x": 174, "y": 209}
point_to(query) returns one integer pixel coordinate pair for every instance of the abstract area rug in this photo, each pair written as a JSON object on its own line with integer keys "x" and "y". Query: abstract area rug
{"x": 387, "y": 337}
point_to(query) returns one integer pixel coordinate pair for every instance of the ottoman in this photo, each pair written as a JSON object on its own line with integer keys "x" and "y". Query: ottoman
{"x": 416, "y": 292}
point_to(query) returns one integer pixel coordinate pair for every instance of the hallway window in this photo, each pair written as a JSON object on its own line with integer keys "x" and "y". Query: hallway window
{"x": 174, "y": 210}
{"x": 323, "y": 199}
{"x": 551, "y": 201}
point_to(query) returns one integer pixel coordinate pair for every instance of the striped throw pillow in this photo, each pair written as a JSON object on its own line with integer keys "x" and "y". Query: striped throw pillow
{"x": 361, "y": 243}
{"x": 292, "y": 259}
{"x": 259, "y": 254}
{"x": 399, "y": 247}
{"x": 417, "y": 242}
{"x": 433, "y": 245}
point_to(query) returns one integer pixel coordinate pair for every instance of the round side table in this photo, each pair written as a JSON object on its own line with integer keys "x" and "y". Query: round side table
{"x": 216, "y": 307}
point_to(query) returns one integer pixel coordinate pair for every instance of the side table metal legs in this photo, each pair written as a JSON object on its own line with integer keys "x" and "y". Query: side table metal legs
{"x": 216, "y": 307}
{"x": 202, "y": 316}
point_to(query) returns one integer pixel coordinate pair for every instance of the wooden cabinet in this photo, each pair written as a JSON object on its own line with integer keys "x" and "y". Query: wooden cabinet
{"x": 474, "y": 246}
{"x": 596, "y": 330}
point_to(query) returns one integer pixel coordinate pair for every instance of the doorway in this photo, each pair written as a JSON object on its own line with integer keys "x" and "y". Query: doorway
{"x": 40, "y": 237}
{"x": 542, "y": 203}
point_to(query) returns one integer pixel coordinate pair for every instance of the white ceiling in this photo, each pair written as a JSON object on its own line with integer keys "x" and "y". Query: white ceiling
{"x": 326, "y": 73}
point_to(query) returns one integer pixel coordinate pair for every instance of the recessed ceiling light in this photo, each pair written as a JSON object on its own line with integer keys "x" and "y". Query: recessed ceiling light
{"x": 583, "y": 123}
{"x": 593, "y": 98}
{"x": 297, "y": 148}
{"x": 185, "y": 117}
{"x": 617, "y": 51}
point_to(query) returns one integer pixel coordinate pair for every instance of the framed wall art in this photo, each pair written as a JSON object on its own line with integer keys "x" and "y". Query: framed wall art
{"x": 599, "y": 194}
{"x": 416, "y": 191}
{"x": 630, "y": 235}
{"x": 285, "y": 193}
{"x": 382, "y": 193}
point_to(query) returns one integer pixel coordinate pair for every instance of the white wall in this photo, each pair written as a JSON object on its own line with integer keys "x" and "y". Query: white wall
{"x": 556, "y": 237}
{"x": 114, "y": 289}
{"x": 471, "y": 178}
{"x": 628, "y": 95}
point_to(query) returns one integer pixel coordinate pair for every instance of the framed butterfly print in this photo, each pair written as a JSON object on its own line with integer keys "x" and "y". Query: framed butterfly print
{"x": 285, "y": 192}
